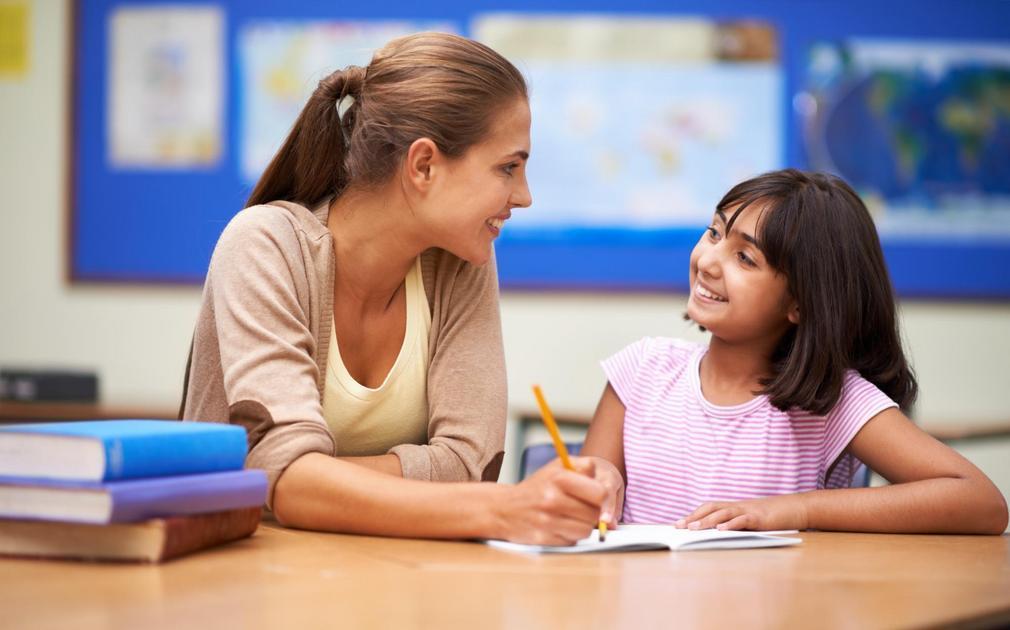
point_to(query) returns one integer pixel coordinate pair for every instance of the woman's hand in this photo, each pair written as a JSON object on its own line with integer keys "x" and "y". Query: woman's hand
{"x": 554, "y": 506}
{"x": 613, "y": 505}
{"x": 787, "y": 511}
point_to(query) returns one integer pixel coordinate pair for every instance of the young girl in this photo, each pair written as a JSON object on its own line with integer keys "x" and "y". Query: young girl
{"x": 803, "y": 379}
{"x": 350, "y": 315}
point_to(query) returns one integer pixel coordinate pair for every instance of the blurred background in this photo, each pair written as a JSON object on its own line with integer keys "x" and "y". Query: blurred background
{"x": 130, "y": 132}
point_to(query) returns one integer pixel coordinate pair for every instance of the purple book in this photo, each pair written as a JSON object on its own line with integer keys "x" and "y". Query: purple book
{"x": 131, "y": 500}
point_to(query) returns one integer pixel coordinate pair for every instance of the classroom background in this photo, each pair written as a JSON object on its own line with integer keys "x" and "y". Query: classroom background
{"x": 60, "y": 308}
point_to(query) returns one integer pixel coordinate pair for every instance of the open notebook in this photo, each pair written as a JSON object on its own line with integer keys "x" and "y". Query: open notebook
{"x": 648, "y": 537}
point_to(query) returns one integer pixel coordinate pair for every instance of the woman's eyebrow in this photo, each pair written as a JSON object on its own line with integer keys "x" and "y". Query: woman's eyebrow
{"x": 522, "y": 155}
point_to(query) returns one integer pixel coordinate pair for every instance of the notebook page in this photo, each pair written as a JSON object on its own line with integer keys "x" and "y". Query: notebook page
{"x": 646, "y": 537}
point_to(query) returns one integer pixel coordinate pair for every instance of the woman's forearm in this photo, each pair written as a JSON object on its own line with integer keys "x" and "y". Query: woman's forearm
{"x": 388, "y": 464}
{"x": 324, "y": 493}
{"x": 941, "y": 505}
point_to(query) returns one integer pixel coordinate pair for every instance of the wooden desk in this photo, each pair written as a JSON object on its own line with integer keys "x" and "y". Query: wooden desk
{"x": 290, "y": 579}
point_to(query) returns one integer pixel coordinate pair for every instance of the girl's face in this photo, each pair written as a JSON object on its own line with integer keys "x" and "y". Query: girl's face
{"x": 735, "y": 293}
{"x": 481, "y": 188}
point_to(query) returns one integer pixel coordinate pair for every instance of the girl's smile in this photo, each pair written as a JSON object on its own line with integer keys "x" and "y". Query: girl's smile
{"x": 707, "y": 295}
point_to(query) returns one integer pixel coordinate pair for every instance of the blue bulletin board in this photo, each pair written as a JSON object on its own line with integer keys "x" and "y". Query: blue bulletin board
{"x": 157, "y": 172}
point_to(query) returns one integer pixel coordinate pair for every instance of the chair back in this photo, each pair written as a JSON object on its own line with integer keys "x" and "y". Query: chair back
{"x": 536, "y": 456}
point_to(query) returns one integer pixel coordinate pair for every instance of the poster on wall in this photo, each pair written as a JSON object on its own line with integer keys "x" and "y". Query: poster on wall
{"x": 639, "y": 127}
{"x": 922, "y": 131}
{"x": 281, "y": 62}
{"x": 166, "y": 87}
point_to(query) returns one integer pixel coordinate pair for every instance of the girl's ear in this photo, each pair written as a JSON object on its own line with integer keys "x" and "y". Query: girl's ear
{"x": 418, "y": 165}
{"x": 794, "y": 313}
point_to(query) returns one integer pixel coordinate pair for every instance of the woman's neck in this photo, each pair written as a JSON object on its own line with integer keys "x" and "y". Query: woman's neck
{"x": 376, "y": 241}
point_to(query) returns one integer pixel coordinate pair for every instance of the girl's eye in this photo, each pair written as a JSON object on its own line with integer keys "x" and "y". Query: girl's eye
{"x": 745, "y": 259}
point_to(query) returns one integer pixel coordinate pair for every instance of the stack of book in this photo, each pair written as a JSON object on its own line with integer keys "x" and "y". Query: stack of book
{"x": 125, "y": 490}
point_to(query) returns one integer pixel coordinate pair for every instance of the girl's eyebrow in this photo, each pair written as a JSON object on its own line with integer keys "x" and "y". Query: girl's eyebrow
{"x": 745, "y": 236}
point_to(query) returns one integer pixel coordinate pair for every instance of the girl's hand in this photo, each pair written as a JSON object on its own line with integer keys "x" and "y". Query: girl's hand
{"x": 613, "y": 505}
{"x": 554, "y": 506}
{"x": 787, "y": 511}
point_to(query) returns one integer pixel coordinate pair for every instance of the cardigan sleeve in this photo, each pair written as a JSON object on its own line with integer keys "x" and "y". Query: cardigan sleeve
{"x": 467, "y": 393}
{"x": 260, "y": 298}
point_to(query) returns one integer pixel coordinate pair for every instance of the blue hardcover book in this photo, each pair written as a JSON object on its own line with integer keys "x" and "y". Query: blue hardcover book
{"x": 133, "y": 499}
{"x": 107, "y": 450}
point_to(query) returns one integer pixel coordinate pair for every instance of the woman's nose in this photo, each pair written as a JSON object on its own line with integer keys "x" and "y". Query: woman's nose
{"x": 521, "y": 197}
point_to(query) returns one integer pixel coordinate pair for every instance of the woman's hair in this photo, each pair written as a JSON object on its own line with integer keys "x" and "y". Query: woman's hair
{"x": 816, "y": 231}
{"x": 429, "y": 85}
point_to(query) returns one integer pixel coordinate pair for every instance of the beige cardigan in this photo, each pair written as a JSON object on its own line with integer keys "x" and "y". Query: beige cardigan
{"x": 259, "y": 350}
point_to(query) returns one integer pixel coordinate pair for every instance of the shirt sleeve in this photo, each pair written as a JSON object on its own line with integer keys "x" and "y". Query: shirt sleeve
{"x": 622, "y": 369}
{"x": 467, "y": 392}
{"x": 860, "y": 401}
{"x": 259, "y": 289}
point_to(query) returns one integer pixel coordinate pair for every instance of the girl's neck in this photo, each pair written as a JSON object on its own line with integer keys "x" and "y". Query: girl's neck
{"x": 731, "y": 373}
{"x": 376, "y": 241}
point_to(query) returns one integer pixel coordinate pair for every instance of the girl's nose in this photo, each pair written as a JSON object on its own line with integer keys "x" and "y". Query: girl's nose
{"x": 710, "y": 262}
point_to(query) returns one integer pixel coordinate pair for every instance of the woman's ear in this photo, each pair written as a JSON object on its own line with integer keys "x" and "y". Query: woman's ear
{"x": 418, "y": 166}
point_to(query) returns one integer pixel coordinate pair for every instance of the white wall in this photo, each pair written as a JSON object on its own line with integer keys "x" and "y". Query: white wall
{"x": 137, "y": 338}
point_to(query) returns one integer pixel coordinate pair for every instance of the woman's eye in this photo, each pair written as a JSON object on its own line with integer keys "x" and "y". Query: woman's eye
{"x": 712, "y": 232}
{"x": 508, "y": 168}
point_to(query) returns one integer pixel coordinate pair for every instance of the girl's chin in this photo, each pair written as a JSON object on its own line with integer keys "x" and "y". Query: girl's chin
{"x": 696, "y": 314}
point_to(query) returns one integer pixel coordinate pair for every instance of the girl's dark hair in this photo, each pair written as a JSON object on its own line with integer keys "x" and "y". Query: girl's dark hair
{"x": 816, "y": 231}
{"x": 429, "y": 85}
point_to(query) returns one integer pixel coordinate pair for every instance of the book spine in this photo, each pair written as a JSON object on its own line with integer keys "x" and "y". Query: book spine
{"x": 141, "y": 456}
{"x": 188, "y": 534}
{"x": 189, "y": 494}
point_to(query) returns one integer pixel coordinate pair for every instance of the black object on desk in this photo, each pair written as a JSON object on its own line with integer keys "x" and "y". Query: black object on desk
{"x": 26, "y": 385}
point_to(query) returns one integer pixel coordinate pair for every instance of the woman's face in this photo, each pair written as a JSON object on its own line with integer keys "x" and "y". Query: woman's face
{"x": 476, "y": 196}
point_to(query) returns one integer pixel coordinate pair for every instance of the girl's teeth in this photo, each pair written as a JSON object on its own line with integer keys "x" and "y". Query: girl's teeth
{"x": 708, "y": 294}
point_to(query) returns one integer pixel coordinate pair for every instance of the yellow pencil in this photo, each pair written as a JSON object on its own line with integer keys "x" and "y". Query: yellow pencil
{"x": 559, "y": 444}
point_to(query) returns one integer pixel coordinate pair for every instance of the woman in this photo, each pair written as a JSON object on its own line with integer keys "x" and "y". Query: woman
{"x": 350, "y": 315}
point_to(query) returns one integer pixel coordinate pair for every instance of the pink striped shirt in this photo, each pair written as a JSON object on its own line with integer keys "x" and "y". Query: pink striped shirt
{"x": 681, "y": 450}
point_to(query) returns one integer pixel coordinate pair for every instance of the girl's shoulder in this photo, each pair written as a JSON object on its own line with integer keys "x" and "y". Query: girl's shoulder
{"x": 859, "y": 398}
{"x": 854, "y": 385}
{"x": 665, "y": 353}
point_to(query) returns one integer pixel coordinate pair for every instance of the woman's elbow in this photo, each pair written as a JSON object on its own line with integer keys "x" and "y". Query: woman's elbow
{"x": 998, "y": 514}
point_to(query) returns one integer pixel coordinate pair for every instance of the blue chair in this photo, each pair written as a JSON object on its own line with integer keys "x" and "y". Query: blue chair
{"x": 537, "y": 455}
{"x": 861, "y": 478}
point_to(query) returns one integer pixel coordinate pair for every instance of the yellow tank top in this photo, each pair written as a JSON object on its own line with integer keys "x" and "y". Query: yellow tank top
{"x": 367, "y": 421}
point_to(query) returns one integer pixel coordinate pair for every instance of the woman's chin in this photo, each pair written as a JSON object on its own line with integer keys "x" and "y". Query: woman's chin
{"x": 477, "y": 257}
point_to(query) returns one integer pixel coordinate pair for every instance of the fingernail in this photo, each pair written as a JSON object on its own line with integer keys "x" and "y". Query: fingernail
{"x": 680, "y": 522}
{"x": 721, "y": 526}
{"x": 606, "y": 516}
{"x": 694, "y": 525}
